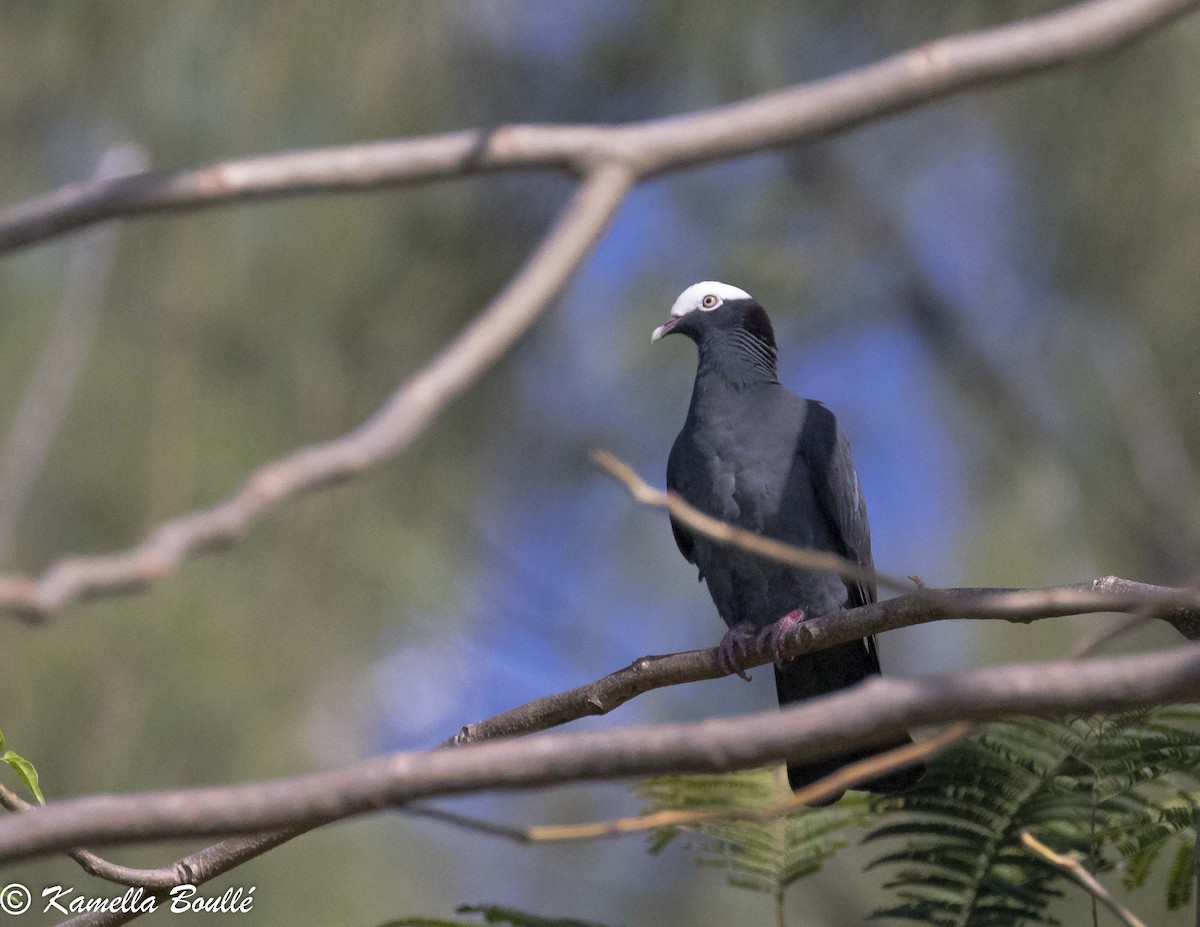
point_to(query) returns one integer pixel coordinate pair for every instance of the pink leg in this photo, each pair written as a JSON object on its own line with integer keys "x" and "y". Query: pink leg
{"x": 777, "y": 633}
{"x": 733, "y": 646}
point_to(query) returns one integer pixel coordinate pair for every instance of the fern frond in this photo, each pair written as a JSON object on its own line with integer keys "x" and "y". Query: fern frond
{"x": 767, "y": 856}
{"x": 1117, "y": 791}
{"x": 1105, "y": 788}
{"x": 1182, "y": 876}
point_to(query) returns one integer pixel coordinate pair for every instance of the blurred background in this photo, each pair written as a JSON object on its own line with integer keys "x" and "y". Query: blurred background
{"x": 996, "y": 294}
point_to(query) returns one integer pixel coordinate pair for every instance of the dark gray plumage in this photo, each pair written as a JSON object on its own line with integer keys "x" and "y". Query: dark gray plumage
{"x": 758, "y": 456}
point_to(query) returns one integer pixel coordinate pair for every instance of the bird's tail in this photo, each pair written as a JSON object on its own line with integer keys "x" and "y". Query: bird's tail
{"x": 824, "y": 671}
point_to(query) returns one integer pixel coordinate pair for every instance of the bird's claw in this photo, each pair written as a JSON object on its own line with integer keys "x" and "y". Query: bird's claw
{"x": 733, "y": 647}
{"x": 777, "y": 633}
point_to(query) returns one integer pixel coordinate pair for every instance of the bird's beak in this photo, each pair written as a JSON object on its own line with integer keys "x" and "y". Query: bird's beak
{"x": 665, "y": 329}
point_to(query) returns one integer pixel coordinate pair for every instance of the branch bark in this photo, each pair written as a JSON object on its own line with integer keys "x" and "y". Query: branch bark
{"x": 610, "y": 158}
{"x": 803, "y": 558}
{"x": 1108, "y": 594}
{"x": 1075, "y": 869}
{"x": 865, "y": 715}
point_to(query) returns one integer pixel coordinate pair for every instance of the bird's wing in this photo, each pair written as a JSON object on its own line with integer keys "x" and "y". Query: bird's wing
{"x": 675, "y": 481}
{"x": 827, "y": 453}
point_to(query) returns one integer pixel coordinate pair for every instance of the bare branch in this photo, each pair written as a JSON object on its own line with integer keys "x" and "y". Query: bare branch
{"x": 1072, "y": 867}
{"x": 1177, "y": 605}
{"x": 830, "y": 786}
{"x": 195, "y": 869}
{"x": 834, "y": 784}
{"x": 377, "y": 440}
{"x": 1180, "y": 608}
{"x": 859, "y": 717}
{"x": 773, "y": 120}
{"x": 804, "y": 558}
{"x": 164, "y": 878}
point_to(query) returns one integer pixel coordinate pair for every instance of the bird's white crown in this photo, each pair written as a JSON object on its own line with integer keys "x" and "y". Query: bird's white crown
{"x": 705, "y": 296}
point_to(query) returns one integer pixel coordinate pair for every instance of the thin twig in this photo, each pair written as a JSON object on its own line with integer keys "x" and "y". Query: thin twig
{"x": 834, "y": 784}
{"x": 1173, "y": 604}
{"x": 195, "y": 869}
{"x": 801, "y": 557}
{"x": 165, "y": 878}
{"x": 1072, "y": 867}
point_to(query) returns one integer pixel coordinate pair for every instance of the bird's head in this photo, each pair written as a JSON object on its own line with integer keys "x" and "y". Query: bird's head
{"x": 710, "y": 310}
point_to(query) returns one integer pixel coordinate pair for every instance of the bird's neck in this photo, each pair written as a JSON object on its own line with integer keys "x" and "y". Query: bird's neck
{"x": 735, "y": 360}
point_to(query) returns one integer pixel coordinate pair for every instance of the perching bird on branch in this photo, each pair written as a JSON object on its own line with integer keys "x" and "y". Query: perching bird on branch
{"x": 756, "y": 455}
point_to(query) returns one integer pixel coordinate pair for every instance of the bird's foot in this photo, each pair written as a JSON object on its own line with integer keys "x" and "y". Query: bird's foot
{"x": 733, "y": 647}
{"x": 777, "y": 633}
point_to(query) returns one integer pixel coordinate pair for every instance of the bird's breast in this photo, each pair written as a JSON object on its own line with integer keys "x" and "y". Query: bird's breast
{"x": 758, "y": 485}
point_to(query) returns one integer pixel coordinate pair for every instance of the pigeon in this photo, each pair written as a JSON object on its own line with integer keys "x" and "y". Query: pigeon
{"x": 754, "y": 454}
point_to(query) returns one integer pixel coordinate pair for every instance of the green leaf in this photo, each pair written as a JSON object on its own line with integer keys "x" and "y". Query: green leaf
{"x": 1179, "y": 882}
{"x": 1116, "y": 791}
{"x": 764, "y": 856}
{"x": 1108, "y": 789}
{"x": 1, "y": 741}
{"x": 26, "y": 773}
{"x": 1139, "y": 863}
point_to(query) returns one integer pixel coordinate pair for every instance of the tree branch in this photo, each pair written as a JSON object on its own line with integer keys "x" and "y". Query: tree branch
{"x": 99, "y": 867}
{"x": 803, "y": 558}
{"x": 773, "y": 120}
{"x": 195, "y": 869}
{"x": 612, "y": 158}
{"x": 597, "y": 698}
{"x": 859, "y": 717}
{"x": 377, "y": 440}
{"x": 1075, "y": 869}
{"x": 832, "y": 785}
{"x": 1023, "y": 606}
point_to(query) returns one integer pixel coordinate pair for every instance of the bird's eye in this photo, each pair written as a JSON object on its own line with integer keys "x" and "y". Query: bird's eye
{"x": 710, "y": 302}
